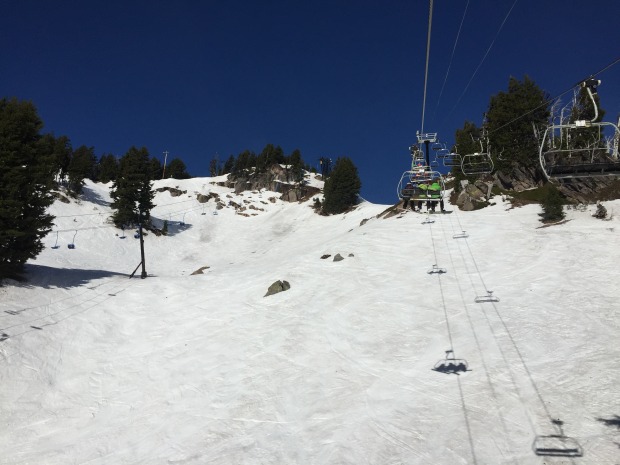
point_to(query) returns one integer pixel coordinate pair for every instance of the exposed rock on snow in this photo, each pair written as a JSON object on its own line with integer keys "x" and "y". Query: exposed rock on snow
{"x": 278, "y": 286}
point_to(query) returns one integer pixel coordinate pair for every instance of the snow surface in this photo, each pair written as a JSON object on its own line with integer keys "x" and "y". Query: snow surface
{"x": 203, "y": 369}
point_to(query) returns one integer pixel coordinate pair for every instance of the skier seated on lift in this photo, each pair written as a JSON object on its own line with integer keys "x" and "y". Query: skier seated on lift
{"x": 407, "y": 192}
{"x": 434, "y": 191}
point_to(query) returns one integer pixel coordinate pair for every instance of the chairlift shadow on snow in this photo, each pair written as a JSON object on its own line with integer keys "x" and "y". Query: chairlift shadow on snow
{"x": 48, "y": 277}
{"x": 558, "y": 444}
{"x": 451, "y": 365}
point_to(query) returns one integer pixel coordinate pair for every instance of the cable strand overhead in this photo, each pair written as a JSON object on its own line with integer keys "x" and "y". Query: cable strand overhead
{"x": 428, "y": 52}
{"x": 484, "y": 57}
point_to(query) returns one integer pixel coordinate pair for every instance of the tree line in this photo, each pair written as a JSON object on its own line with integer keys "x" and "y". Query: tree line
{"x": 33, "y": 166}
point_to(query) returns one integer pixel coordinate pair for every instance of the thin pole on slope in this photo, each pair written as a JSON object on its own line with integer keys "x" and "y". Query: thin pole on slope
{"x": 428, "y": 51}
{"x": 163, "y": 174}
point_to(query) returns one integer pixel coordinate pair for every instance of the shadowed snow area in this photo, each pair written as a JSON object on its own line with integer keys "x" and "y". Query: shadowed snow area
{"x": 98, "y": 368}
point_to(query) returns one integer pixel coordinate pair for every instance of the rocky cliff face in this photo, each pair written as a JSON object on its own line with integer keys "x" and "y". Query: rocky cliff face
{"x": 276, "y": 179}
{"x": 583, "y": 190}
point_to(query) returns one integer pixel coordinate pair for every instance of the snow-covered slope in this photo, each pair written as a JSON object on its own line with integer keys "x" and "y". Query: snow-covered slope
{"x": 98, "y": 368}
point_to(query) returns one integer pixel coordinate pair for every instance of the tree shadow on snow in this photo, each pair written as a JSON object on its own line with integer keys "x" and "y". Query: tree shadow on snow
{"x": 174, "y": 227}
{"x": 615, "y": 421}
{"x": 90, "y": 195}
{"x": 48, "y": 277}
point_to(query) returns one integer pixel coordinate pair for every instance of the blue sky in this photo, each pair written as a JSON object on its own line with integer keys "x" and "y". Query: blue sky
{"x": 330, "y": 78}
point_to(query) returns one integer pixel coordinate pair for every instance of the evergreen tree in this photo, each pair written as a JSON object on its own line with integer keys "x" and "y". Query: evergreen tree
{"x": 157, "y": 168}
{"x": 342, "y": 188}
{"x": 243, "y": 162}
{"x": 268, "y": 157}
{"x": 60, "y": 148}
{"x": 552, "y": 204}
{"x": 177, "y": 169}
{"x": 229, "y": 165}
{"x": 27, "y": 169}
{"x": 511, "y": 119}
{"x": 108, "y": 168}
{"x": 81, "y": 166}
{"x": 132, "y": 191}
{"x": 213, "y": 167}
{"x": 295, "y": 164}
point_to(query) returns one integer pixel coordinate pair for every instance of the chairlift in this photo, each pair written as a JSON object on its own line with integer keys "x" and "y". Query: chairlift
{"x": 451, "y": 365}
{"x": 413, "y": 182}
{"x": 428, "y": 219}
{"x": 489, "y": 297}
{"x": 477, "y": 163}
{"x": 72, "y": 244}
{"x": 436, "y": 146}
{"x": 557, "y": 445}
{"x": 580, "y": 149}
{"x": 461, "y": 235}
{"x": 56, "y": 246}
{"x": 451, "y": 159}
{"x": 437, "y": 270}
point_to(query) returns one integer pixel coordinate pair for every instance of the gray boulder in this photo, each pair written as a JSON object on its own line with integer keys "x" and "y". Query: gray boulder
{"x": 278, "y": 286}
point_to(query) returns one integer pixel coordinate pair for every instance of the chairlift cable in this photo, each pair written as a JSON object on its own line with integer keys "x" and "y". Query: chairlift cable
{"x": 428, "y": 51}
{"x": 484, "y": 57}
{"x": 451, "y": 58}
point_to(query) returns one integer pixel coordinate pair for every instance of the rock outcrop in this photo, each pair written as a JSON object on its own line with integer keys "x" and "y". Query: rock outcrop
{"x": 278, "y": 286}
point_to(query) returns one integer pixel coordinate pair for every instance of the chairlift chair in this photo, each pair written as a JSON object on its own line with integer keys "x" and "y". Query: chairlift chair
{"x": 488, "y": 297}
{"x": 451, "y": 365}
{"x": 580, "y": 149}
{"x": 461, "y": 235}
{"x": 477, "y": 163}
{"x": 451, "y": 159}
{"x": 408, "y": 186}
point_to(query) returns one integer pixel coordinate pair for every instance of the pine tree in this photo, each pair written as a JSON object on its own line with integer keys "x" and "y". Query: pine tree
{"x": 27, "y": 169}
{"x": 157, "y": 168}
{"x": 81, "y": 166}
{"x": 552, "y": 204}
{"x": 132, "y": 191}
{"x": 108, "y": 168}
{"x": 177, "y": 169}
{"x": 511, "y": 118}
{"x": 342, "y": 188}
{"x": 296, "y": 166}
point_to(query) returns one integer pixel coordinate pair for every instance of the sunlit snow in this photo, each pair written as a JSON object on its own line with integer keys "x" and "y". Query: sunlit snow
{"x": 97, "y": 368}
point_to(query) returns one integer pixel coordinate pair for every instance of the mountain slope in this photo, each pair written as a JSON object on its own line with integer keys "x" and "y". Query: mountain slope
{"x": 201, "y": 369}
